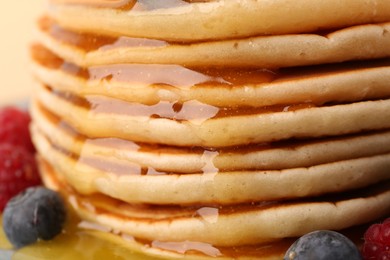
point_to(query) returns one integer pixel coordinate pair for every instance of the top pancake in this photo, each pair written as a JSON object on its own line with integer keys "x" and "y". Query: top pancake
{"x": 183, "y": 21}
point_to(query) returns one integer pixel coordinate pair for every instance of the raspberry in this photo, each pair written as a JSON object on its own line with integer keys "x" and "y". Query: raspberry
{"x": 18, "y": 170}
{"x": 14, "y": 127}
{"x": 377, "y": 241}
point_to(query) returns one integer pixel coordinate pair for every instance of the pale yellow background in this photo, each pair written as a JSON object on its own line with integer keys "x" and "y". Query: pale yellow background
{"x": 17, "y": 20}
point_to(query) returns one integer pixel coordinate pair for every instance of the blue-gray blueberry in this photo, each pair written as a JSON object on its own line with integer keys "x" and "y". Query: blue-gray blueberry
{"x": 323, "y": 245}
{"x": 35, "y": 213}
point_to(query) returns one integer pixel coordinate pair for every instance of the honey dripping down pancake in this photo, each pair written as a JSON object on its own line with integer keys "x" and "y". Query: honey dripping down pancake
{"x": 215, "y": 129}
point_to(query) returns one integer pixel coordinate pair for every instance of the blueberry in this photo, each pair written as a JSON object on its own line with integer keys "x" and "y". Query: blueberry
{"x": 323, "y": 245}
{"x": 35, "y": 213}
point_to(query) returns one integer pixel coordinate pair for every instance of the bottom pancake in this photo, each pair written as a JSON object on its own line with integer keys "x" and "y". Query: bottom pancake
{"x": 192, "y": 250}
{"x": 188, "y": 250}
{"x": 205, "y": 232}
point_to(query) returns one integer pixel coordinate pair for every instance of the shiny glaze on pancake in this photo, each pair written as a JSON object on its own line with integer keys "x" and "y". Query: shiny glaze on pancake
{"x": 179, "y": 76}
{"x": 218, "y": 87}
{"x": 159, "y": 74}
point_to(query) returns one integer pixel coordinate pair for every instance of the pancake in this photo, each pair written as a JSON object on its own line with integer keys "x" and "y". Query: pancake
{"x": 344, "y": 82}
{"x": 198, "y": 125}
{"x": 215, "y": 19}
{"x": 126, "y": 181}
{"x": 367, "y": 41}
{"x": 259, "y": 224}
{"x": 265, "y": 156}
{"x": 214, "y": 129}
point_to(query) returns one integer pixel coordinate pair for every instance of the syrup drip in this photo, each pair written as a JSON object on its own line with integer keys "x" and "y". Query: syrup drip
{"x": 192, "y": 111}
{"x": 154, "y": 74}
{"x": 100, "y": 163}
{"x": 186, "y": 246}
{"x": 208, "y": 214}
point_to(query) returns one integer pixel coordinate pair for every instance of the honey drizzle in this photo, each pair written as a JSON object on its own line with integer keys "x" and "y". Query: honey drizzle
{"x": 156, "y": 74}
{"x": 93, "y": 42}
{"x": 192, "y": 111}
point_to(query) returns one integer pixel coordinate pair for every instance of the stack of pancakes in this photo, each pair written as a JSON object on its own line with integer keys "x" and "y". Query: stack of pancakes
{"x": 215, "y": 128}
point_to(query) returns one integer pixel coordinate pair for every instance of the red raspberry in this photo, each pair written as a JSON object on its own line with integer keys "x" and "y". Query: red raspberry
{"x": 18, "y": 170}
{"x": 14, "y": 127}
{"x": 377, "y": 241}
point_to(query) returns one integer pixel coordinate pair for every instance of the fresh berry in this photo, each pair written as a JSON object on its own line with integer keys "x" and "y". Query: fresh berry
{"x": 323, "y": 245}
{"x": 377, "y": 241}
{"x": 18, "y": 170}
{"x": 15, "y": 127}
{"x": 36, "y": 213}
